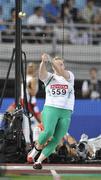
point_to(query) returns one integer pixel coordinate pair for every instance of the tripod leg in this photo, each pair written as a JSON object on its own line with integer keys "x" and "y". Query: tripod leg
{"x": 5, "y": 84}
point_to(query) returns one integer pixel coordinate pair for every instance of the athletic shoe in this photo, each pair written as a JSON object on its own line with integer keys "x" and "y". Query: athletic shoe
{"x": 37, "y": 165}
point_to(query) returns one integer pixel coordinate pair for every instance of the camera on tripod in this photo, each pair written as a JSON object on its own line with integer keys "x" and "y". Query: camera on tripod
{"x": 82, "y": 150}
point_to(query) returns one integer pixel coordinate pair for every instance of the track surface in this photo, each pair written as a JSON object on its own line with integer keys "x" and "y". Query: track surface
{"x": 22, "y": 169}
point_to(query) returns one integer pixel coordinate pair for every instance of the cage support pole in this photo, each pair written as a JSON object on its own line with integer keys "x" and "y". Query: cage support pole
{"x": 18, "y": 50}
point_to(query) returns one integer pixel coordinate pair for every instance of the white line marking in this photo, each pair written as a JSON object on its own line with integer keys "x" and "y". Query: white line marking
{"x": 70, "y": 168}
{"x": 55, "y": 175}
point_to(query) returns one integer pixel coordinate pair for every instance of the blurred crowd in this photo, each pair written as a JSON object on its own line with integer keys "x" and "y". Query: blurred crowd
{"x": 53, "y": 11}
{"x": 92, "y": 88}
{"x": 42, "y": 13}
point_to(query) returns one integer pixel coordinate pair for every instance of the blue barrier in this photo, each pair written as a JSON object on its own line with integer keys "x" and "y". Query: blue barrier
{"x": 86, "y": 117}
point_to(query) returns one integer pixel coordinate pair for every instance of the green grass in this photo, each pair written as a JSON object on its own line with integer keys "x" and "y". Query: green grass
{"x": 46, "y": 177}
{"x": 27, "y": 177}
{"x": 81, "y": 177}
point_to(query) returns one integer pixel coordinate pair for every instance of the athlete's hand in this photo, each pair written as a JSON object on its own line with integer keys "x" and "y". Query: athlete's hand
{"x": 46, "y": 58}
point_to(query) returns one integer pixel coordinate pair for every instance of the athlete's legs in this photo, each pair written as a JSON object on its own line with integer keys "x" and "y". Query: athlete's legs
{"x": 60, "y": 131}
{"x": 50, "y": 118}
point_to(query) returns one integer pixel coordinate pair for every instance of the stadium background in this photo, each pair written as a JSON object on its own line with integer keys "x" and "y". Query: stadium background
{"x": 79, "y": 57}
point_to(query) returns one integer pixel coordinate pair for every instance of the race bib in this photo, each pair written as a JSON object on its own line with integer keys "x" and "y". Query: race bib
{"x": 58, "y": 90}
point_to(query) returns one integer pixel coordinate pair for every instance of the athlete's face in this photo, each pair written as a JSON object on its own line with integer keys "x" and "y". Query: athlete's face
{"x": 60, "y": 64}
{"x": 31, "y": 69}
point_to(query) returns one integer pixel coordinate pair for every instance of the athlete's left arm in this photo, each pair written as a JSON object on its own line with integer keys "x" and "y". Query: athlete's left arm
{"x": 66, "y": 74}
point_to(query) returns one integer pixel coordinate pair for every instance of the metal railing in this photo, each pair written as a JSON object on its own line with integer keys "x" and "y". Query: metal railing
{"x": 81, "y": 46}
{"x": 82, "y": 34}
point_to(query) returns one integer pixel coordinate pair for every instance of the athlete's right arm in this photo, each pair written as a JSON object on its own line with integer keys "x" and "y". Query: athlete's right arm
{"x": 42, "y": 69}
